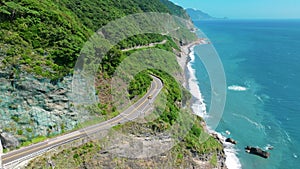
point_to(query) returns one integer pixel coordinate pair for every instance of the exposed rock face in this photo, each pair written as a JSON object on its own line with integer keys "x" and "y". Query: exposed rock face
{"x": 221, "y": 158}
{"x": 109, "y": 155}
{"x": 8, "y": 140}
{"x": 32, "y": 107}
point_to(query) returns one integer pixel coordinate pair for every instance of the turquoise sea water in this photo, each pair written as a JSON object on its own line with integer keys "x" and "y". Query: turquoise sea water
{"x": 261, "y": 59}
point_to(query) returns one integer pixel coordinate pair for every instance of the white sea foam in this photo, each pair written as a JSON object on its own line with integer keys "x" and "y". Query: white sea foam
{"x": 259, "y": 126}
{"x": 295, "y": 155}
{"x": 259, "y": 98}
{"x": 262, "y": 98}
{"x": 232, "y": 162}
{"x": 237, "y": 88}
{"x": 268, "y": 147}
{"x": 199, "y": 108}
{"x": 288, "y": 136}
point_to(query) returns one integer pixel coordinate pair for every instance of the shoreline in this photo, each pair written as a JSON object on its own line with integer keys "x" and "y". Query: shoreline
{"x": 183, "y": 57}
{"x": 198, "y": 106}
{"x": 186, "y": 56}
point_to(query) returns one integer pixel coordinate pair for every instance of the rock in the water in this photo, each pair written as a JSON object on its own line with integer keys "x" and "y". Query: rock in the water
{"x": 230, "y": 140}
{"x": 257, "y": 151}
{"x": 8, "y": 140}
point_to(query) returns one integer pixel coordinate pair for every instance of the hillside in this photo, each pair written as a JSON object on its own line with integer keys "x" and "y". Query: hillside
{"x": 48, "y": 36}
{"x": 40, "y": 42}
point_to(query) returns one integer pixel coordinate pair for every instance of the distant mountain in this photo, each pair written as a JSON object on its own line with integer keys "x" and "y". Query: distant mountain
{"x": 199, "y": 15}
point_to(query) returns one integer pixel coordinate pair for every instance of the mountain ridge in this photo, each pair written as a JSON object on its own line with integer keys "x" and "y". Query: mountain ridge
{"x": 197, "y": 15}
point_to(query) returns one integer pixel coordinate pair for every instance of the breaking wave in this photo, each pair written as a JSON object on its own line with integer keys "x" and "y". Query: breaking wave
{"x": 237, "y": 88}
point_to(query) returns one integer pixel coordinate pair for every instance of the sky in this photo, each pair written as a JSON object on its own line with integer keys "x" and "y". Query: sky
{"x": 249, "y": 9}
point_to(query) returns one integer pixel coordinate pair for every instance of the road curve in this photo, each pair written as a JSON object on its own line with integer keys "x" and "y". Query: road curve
{"x": 131, "y": 113}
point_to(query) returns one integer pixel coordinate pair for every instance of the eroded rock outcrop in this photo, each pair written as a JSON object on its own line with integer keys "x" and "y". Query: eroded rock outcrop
{"x": 230, "y": 140}
{"x": 257, "y": 151}
{"x": 8, "y": 140}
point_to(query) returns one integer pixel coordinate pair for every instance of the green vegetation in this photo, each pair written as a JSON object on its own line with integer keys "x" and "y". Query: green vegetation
{"x": 140, "y": 85}
{"x": 29, "y": 130}
{"x": 45, "y": 37}
{"x": 75, "y": 156}
{"x": 198, "y": 140}
{"x": 172, "y": 90}
{"x": 40, "y": 37}
{"x": 175, "y": 9}
{"x": 214, "y": 160}
{"x": 115, "y": 56}
{"x": 19, "y": 132}
{"x": 95, "y": 14}
{"x": 15, "y": 118}
{"x": 34, "y": 140}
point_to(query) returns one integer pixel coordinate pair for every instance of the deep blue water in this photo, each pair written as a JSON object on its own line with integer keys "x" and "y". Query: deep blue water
{"x": 262, "y": 56}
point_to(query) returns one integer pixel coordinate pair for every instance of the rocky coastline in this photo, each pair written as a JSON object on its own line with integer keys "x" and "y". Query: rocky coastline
{"x": 183, "y": 59}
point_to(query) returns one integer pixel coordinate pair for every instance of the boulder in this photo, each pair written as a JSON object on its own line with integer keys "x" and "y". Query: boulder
{"x": 230, "y": 140}
{"x": 8, "y": 140}
{"x": 257, "y": 151}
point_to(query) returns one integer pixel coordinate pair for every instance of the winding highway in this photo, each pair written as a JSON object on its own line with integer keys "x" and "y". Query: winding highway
{"x": 137, "y": 109}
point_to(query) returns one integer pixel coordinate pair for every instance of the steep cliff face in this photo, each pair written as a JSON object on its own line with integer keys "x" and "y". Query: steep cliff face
{"x": 32, "y": 107}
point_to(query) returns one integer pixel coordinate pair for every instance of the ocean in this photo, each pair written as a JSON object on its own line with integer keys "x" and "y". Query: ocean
{"x": 261, "y": 59}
